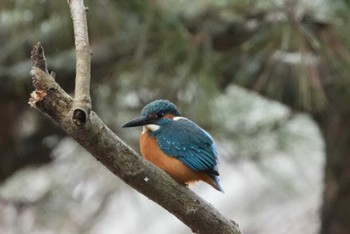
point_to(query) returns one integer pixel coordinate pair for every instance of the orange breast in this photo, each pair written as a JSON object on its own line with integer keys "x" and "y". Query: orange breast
{"x": 175, "y": 168}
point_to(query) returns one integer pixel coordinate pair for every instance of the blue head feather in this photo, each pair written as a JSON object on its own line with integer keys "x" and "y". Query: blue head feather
{"x": 160, "y": 106}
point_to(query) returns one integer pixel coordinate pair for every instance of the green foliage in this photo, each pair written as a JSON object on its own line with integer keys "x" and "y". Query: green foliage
{"x": 285, "y": 51}
{"x": 290, "y": 53}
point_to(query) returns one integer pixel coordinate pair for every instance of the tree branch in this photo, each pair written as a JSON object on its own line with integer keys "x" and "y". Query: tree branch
{"x": 82, "y": 100}
{"x": 119, "y": 158}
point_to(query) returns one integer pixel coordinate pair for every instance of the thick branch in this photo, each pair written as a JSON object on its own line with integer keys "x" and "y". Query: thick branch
{"x": 106, "y": 147}
{"x": 124, "y": 162}
{"x": 82, "y": 101}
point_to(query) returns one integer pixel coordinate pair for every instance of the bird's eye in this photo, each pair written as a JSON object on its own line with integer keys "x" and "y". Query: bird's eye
{"x": 160, "y": 115}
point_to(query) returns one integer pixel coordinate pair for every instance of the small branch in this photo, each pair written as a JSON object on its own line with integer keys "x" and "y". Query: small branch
{"x": 82, "y": 100}
{"x": 38, "y": 57}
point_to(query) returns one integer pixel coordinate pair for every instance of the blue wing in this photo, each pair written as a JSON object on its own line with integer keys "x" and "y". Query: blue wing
{"x": 186, "y": 141}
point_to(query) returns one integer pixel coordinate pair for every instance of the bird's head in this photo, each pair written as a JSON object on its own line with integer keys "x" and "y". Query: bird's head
{"x": 154, "y": 115}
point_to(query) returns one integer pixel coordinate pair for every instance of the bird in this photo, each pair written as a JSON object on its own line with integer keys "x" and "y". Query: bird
{"x": 176, "y": 144}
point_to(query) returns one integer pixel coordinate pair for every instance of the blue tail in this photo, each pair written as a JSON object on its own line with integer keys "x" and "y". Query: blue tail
{"x": 216, "y": 180}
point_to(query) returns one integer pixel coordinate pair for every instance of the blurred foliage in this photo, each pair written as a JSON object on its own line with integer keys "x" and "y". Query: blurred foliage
{"x": 286, "y": 50}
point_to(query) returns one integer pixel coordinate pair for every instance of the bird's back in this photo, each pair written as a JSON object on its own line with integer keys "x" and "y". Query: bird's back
{"x": 183, "y": 149}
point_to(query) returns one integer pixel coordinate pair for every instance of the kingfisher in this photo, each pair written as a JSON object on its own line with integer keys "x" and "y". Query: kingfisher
{"x": 176, "y": 144}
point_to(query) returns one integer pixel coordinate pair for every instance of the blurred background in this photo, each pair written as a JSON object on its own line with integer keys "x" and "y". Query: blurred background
{"x": 268, "y": 79}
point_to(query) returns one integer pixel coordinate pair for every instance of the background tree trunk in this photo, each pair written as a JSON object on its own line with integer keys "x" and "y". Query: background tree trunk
{"x": 335, "y": 127}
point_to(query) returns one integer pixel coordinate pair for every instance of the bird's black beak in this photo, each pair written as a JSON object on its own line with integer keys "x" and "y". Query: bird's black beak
{"x": 139, "y": 121}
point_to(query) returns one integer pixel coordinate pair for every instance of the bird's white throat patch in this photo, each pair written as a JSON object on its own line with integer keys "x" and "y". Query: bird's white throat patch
{"x": 155, "y": 127}
{"x": 150, "y": 127}
{"x": 176, "y": 118}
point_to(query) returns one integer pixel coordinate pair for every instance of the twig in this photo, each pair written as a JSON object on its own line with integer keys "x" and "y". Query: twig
{"x": 82, "y": 100}
{"x": 38, "y": 57}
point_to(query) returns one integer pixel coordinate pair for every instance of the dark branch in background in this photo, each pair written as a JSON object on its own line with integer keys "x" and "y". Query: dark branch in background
{"x": 112, "y": 152}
